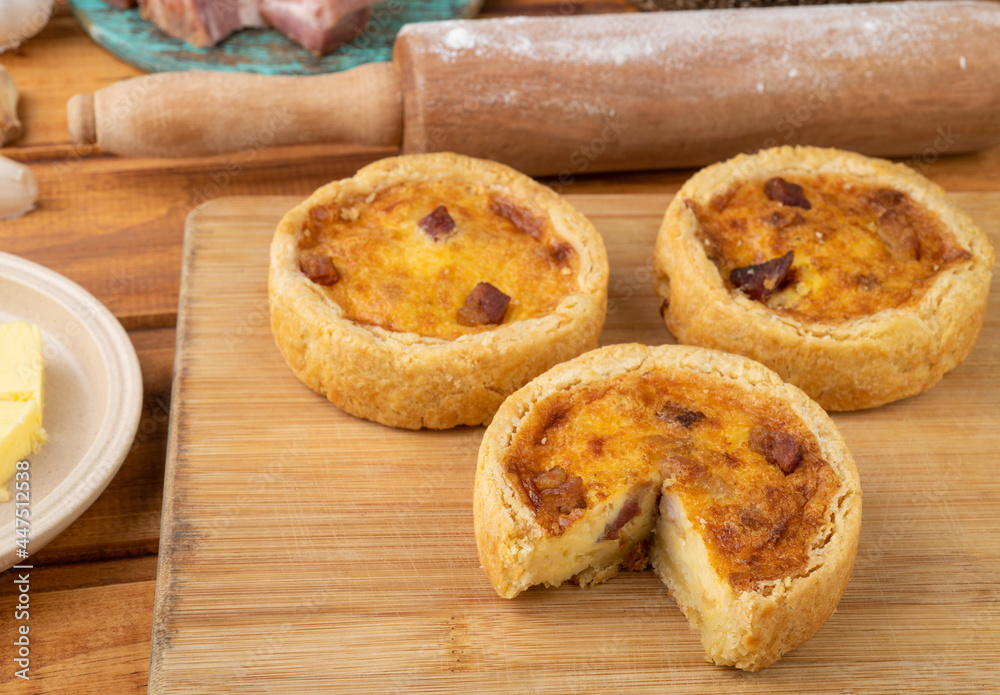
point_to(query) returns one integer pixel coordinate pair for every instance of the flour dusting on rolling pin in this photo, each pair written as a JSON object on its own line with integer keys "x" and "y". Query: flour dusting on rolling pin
{"x": 632, "y": 91}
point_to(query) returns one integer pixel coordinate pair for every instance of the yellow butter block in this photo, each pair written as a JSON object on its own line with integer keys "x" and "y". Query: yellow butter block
{"x": 22, "y": 382}
{"x": 22, "y": 367}
{"x": 21, "y": 435}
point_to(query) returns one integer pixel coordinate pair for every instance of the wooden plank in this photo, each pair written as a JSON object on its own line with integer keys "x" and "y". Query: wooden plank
{"x": 115, "y": 225}
{"x": 125, "y": 520}
{"x": 308, "y": 551}
{"x": 89, "y": 628}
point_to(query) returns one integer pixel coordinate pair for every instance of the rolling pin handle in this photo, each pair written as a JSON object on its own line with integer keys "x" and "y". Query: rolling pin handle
{"x": 202, "y": 113}
{"x": 82, "y": 123}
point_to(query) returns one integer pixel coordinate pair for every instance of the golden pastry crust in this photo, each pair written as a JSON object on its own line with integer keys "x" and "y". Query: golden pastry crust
{"x": 747, "y": 624}
{"x": 845, "y": 363}
{"x": 409, "y": 380}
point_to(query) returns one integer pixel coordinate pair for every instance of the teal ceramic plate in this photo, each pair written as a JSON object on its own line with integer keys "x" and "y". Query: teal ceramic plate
{"x": 138, "y": 42}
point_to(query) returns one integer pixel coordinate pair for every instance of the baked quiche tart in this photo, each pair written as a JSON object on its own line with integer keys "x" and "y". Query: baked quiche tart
{"x": 735, "y": 485}
{"x": 854, "y": 278}
{"x": 425, "y": 289}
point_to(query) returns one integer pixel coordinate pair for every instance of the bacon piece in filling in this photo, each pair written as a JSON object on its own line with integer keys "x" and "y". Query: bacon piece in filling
{"x": 437, "y": 224}
{"x": 485, "y": 305}
{"x": 319, "y": 269}
{"x": 779, "y": 448}
{"x": 762, "y": 280}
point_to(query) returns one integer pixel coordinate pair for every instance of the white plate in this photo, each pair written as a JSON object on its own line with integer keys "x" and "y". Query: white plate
{"x": 93, "y": 399}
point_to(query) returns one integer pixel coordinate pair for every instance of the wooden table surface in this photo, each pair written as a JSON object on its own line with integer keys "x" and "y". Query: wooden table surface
{"x": 115, "y": 225}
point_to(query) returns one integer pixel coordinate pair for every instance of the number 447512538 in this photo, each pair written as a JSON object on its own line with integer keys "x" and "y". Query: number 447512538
{"x": 22, "y": 511}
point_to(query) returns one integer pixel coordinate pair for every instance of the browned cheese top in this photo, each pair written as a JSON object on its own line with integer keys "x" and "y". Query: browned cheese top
{"x": 438, "y": 259}
{"x": 856, "y": 249}
{"x": 747, "y": 471}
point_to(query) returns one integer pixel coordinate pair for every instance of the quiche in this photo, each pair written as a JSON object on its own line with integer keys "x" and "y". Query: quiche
{"x": 733, "y": 484}
{"x": 426, "y": 288}
{"x": 854, "y": 278}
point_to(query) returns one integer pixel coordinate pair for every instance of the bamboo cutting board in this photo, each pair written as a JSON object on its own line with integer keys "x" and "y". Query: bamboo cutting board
{"x": 305, "y": 551}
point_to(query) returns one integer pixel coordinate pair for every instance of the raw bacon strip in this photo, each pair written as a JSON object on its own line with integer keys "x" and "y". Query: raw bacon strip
{"x": 319, "y": 26}
{"x": 201, "y": 23}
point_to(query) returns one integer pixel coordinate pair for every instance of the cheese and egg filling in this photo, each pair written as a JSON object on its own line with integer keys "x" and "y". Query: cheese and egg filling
{"x": 408, "y": 258}
{"x": 22, "y": 383}
{"x": 744, "y": 472}
{"x": 857, "y": 248}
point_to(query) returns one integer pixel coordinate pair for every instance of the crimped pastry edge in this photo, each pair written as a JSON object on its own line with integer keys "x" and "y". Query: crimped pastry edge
{"x": 861, "y": 363}
{"x": 506, "y": 530}
{"x": 407, "y": 380}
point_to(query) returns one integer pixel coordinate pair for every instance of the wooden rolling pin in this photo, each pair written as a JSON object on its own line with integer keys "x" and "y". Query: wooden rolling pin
{"x": 568, "y": 95}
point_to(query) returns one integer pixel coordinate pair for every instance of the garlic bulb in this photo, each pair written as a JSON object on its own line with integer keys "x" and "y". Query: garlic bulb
{"x": 22, "y": 19}
{"x": 10, "y": 125}
{"x": 18, "y": 189}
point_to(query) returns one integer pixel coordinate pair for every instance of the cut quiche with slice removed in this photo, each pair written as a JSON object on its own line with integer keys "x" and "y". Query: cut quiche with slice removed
{"x": 735, "y": 485}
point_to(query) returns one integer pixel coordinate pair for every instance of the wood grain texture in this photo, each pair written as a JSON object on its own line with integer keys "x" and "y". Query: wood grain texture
{"x": 556, "y": 97}
{"x": 506, "y": 8}
{"x": 116, "y": 225}
{"x": 360, "y": 106}
{"x": 197, "y": 113}
{"x": 89, "y": 628}
{"x": 308, "y": 551}
{"x": 125, "y": 519}
{"x": 657, "y": 5}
